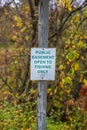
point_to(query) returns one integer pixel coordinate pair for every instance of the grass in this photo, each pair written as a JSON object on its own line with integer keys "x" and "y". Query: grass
{"x": 6, "y": 45}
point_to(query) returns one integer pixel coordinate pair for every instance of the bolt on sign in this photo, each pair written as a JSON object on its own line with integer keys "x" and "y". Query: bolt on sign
{"x": 43, "y": 63}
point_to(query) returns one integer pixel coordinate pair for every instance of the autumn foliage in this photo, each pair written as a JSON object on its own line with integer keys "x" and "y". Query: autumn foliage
{"x": 67, "y": 95}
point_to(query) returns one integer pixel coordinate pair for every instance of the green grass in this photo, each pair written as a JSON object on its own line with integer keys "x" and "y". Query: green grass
{"x": 6, "y": 45}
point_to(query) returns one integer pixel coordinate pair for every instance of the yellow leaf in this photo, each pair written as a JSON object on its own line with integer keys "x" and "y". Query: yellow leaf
{"x": 14, "y": 37}
{"x": 61, "y": 67}
{"x": 76, "y": 66}
{"x": 26, "y": 9}
{"x": 69, "y": 7}
{"x": 55, "y": 90}
{"x": 27, "y": 38}
{"x": 80, "y": 44}
{"x": 49, "y": 90}
{"x": 85, "y": 81}
{"x": 23, "y": 29}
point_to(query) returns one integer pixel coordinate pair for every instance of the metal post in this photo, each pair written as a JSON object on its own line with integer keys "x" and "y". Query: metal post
{"x": 43, "y": 43}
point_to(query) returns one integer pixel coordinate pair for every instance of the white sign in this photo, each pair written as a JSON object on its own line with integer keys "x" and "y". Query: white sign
{"x": 43, "y": 63}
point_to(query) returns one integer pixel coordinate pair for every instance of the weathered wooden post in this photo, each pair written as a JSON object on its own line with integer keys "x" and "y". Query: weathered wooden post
{"x": 42, "y": 63}
{"x": 43, "y": 43}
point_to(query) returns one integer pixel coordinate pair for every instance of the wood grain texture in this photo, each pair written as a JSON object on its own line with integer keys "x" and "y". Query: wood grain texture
{"x": 42, "y": 43}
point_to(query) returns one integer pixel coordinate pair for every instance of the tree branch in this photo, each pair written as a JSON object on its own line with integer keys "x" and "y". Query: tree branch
{"x": 63, "y": 24}
{"x": 32, "y": 10}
